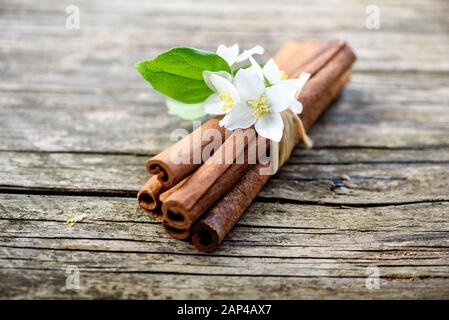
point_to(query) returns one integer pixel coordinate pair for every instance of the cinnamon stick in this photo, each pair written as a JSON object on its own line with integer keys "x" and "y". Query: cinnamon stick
{"x": 177, "y": 233}
{"x": 330, "y": 74}
{"x": 151, "y": 196}
{"x": 167, "y": 174}
{"x": 148, "y": 197}
{"x": 170, "y": 173}
{"x": 206, "y": 185}
{"x": 212, "y": 180}
{"x": 289, "y": 52}
{"x": 316, "y": 94}
{"x": 210, "y": 231}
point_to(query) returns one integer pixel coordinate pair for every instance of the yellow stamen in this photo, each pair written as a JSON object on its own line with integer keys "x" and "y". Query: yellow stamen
{"x": 283, "y": 75}
{"x": 227, "y": 99}
{"x": 259, "y": 107}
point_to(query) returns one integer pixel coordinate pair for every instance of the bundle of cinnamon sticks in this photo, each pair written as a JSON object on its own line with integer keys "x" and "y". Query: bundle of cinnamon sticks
{"x": 202, "y": 200}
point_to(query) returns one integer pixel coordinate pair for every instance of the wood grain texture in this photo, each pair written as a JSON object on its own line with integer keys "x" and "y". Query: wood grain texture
{"x": 77, "y": 124}
{"x": 385, "y": 110}
{"x": 310, "y": 176}
{"x": 315, "y": 246}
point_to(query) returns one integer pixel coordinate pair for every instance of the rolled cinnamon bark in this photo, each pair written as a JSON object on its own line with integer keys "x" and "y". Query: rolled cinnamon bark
{"x": 316, "y": 94}
{"x": 211, "y": 181}
{"x": 153, "y": 193}
{"x": 331, "y": 73}
{"x": 314, "y": 56}
{"x": 170, "y": 173}
{"x": 182, "y": 234}
{"x": 289, "y": 52}
{"x": 210, "y": 231}
{"x": 148, "y": 197}
{"x": 206, "y": 185}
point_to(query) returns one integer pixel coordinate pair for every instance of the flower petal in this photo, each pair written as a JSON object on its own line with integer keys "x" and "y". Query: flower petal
{"x": 292, "y": 84}
{"x": 240, "y": 116}
{"x": 270, "y": 126}
{"x": 229, "y": 54}
{"x": 248, "y": 53}
{"x": 255, "y": 67}
{"x": 296, "y": 106}
{"x": 249, "y": 85}
{"x": 208, "y": 74}
{"x": 223, "y": 85}
{"x": 214, "y": 105}
{"x": 272, "y": 72}
{"x": 280, "y": 96}
{"x": 223, "y": 121}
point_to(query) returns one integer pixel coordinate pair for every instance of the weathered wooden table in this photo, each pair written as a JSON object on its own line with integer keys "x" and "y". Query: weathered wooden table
{"x": 77, "y": 124}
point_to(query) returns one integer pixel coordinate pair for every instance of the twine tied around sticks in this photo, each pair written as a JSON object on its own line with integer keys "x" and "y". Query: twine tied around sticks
{"x": 293, "y": 131}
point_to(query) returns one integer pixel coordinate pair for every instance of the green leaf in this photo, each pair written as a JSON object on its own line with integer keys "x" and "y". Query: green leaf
{"x": 178, "y": 73}
{"x": 186, "y": 111}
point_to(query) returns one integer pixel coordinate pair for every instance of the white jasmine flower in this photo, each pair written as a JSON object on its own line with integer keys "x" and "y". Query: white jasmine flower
{"x": 274, "y": 75}
{"x": 231, "y": 54}
{"x": 225, "y": 94}
{"x": 270, "y": 71}
{"x": 259, "y": 106}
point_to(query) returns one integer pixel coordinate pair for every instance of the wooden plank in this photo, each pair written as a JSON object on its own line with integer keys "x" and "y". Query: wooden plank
{"x": 377, "y": 51}
{"x": 49, "y": 284}
{"x": 163, "y": 25}
{"x": 72, "y": 106}
{"x": 322, "y": 247}
{"x": 401, "y": 14}
{"x": 384, "y": 110}
{"x": 387, "y": 227}
{"x": 369, "y": 185}
{"x": 342, "y": 156}
{"x": 315, "y": 177}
